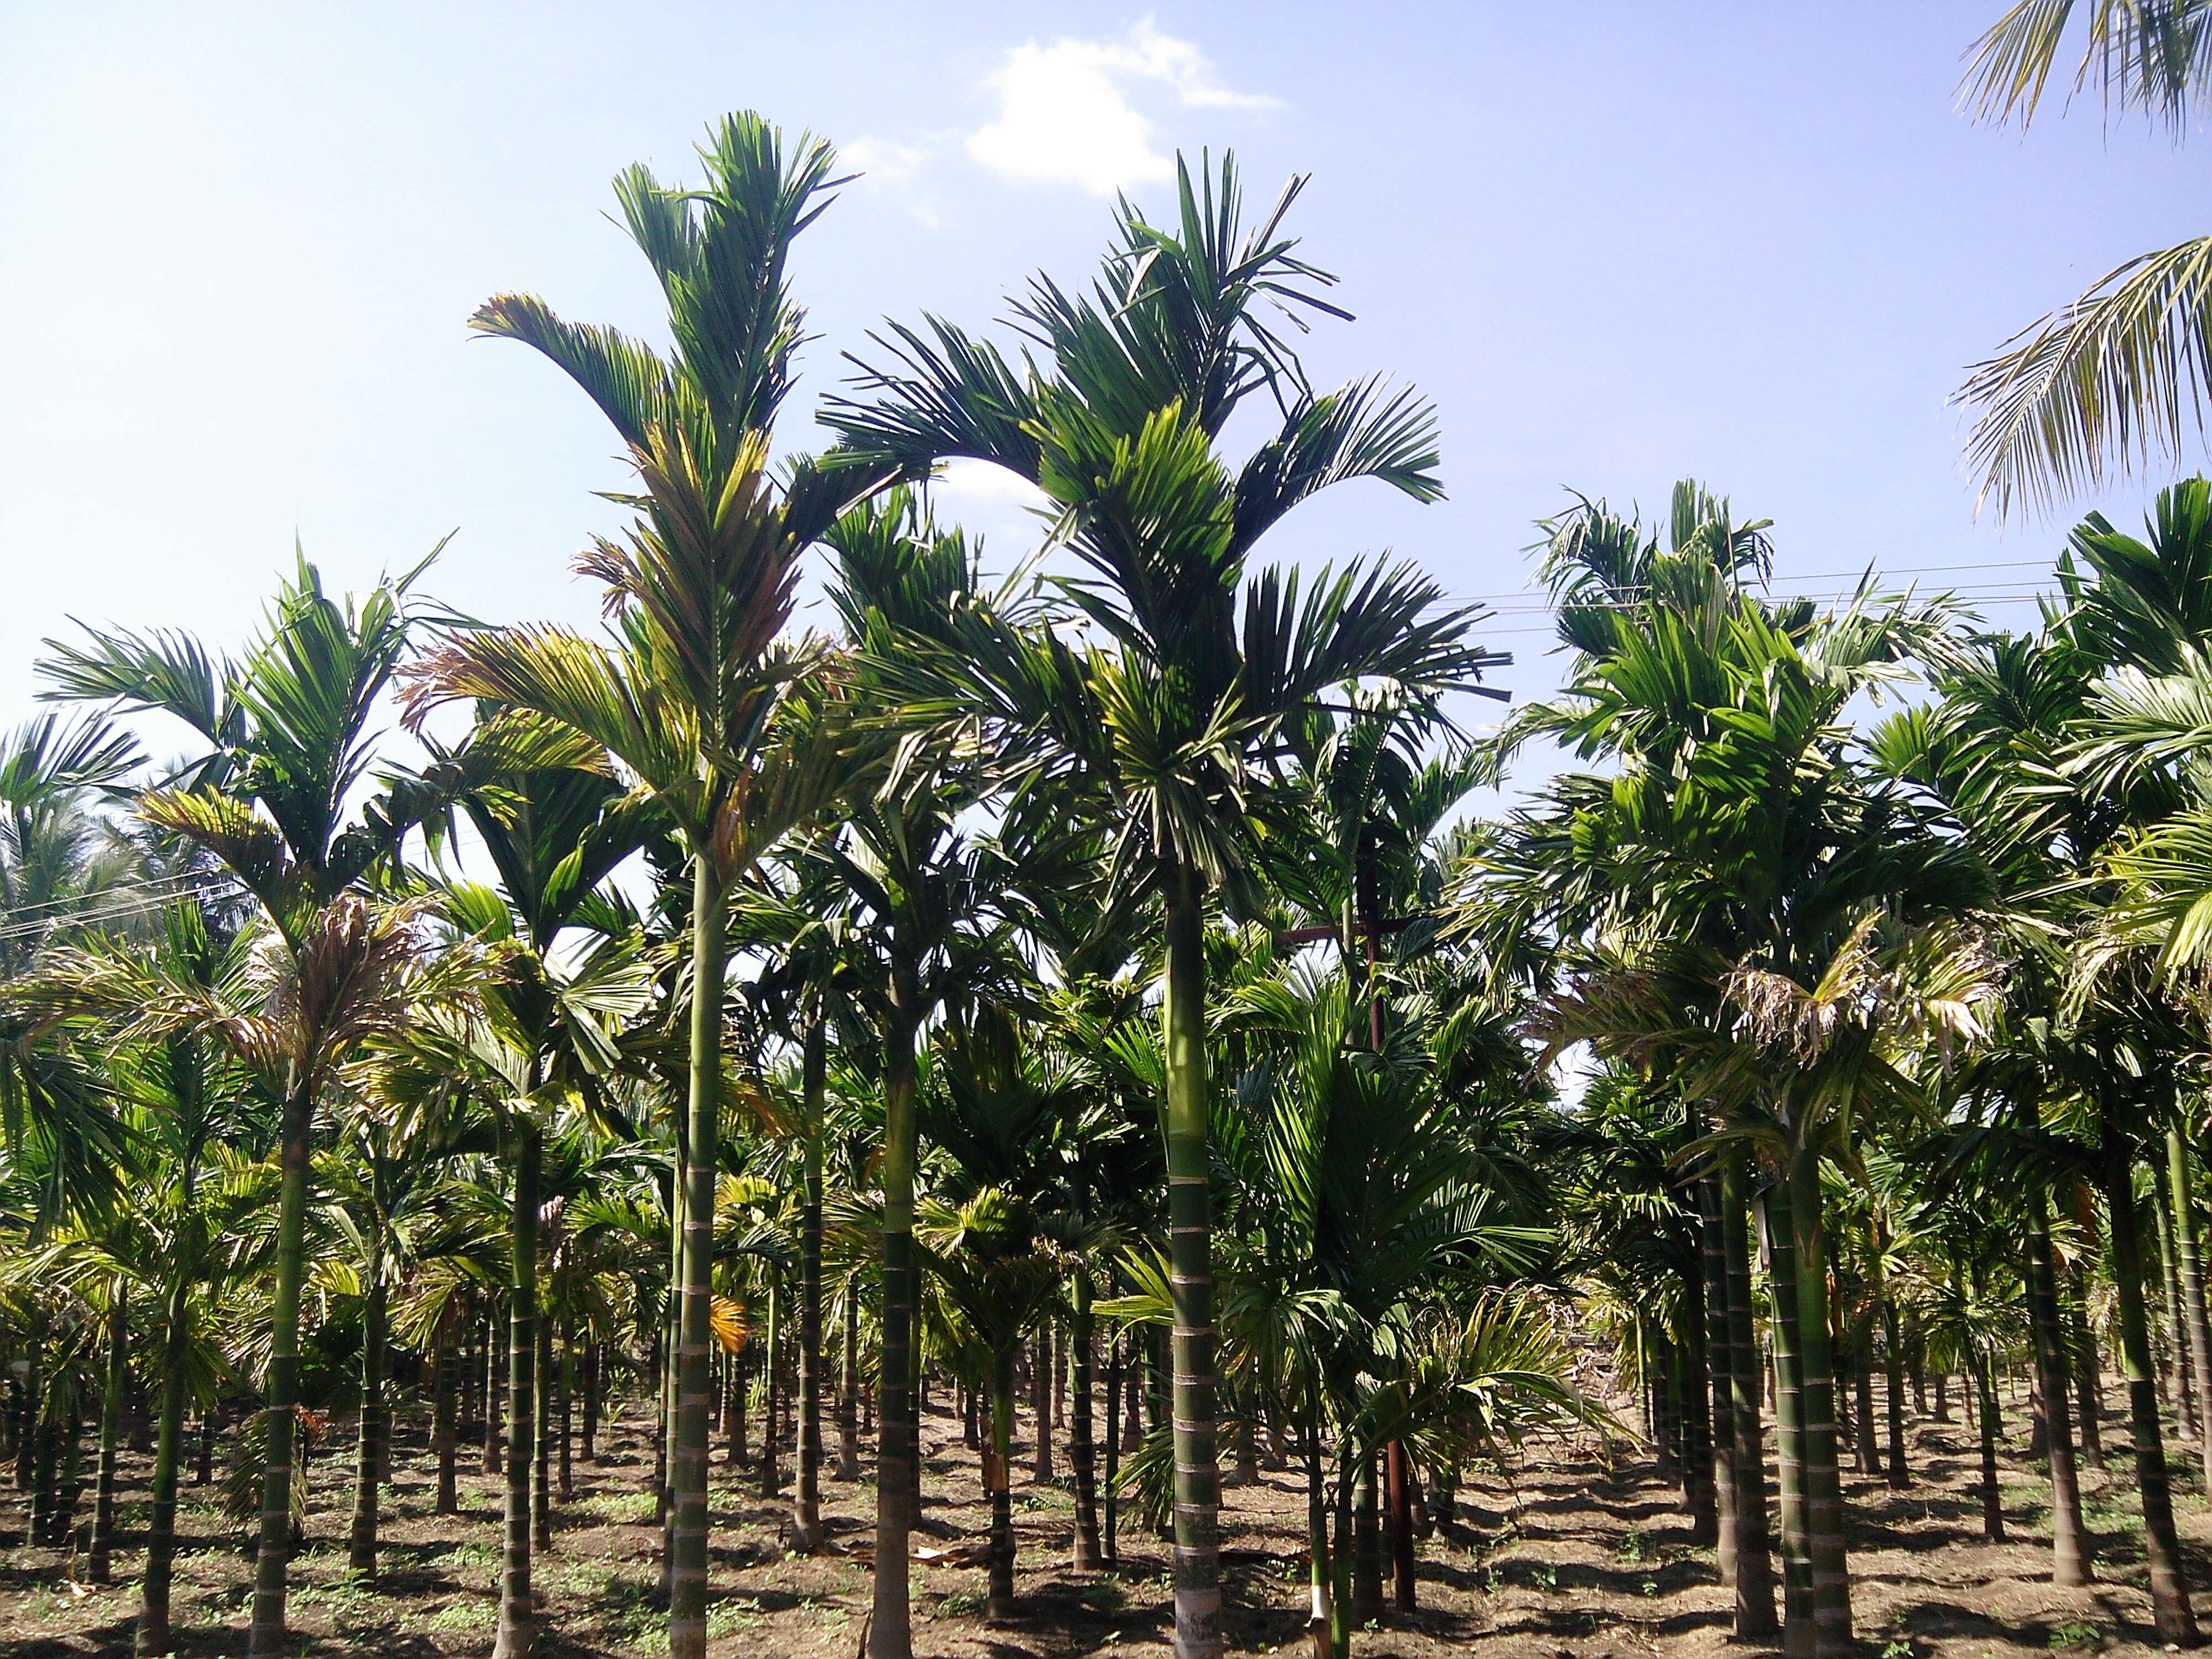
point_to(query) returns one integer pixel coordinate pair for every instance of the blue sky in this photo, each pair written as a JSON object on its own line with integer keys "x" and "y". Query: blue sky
{"x": 1616, "y": 244}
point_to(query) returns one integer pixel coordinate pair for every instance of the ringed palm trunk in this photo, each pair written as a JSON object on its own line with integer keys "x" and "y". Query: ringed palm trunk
{"x": 889, "y": 1631}
{"x": 687, "y": 1577}
{"x": 1320, "y": 1616}
{"x": 2181, "y": 1392}
{"x": 111, "y": 1436}
{"x": 1197, "y": 1573}
{"x": 1720, "y": 1370}
{"x": 2069, "y": 1556}
{"x": 1082, "y": 1450}
{"x": 1754, "y": 1556}
{"x": 1985, "y": 1395}
{"x": 153, "y": 1635}
{"x": 273, "y": 1555}
{"x": 807, "y": 1517}
{"x": 2169, "y": 1591}
{"x": 369, "y": 1461}
{"x": 848, "y": 1387}
{"x": 997, "y": 1475}
{"x": 1790, "y": 1424}
{"x": 1823, "y": 1491}
{"x": 443, "y": 1434}
{"x": 517, "y": 1618}
{"x": 2192, "y": 1293}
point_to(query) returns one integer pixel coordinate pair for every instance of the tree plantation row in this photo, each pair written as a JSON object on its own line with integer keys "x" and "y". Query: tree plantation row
{"x": 1076, "y": 994}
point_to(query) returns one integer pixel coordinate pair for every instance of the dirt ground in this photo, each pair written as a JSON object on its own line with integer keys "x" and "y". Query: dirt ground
{"x": 1561, "y": 1559}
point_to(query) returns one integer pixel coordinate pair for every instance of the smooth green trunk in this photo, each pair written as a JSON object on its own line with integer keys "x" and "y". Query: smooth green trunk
{"x": 1797, "y": 1623}
{"x": 687, "y": 1578}
{"x": 1321, "y": 1612}
{"x": 1197, "y": 1568}
{"x": 1755, "y": 1555}
{"x": 517, "y": 1617}
{"x": 281, "y": 1395}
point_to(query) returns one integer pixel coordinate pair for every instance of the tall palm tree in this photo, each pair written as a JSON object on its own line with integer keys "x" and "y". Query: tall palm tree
{"x": 2120, "y": 374}
{"x": 1174, "y": 701}
{"x": 289, "y": 737}
{"x": 694, "y": 702}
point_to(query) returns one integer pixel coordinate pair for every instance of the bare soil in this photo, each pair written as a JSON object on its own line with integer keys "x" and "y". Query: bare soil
{"x": 1559, "y": 1556}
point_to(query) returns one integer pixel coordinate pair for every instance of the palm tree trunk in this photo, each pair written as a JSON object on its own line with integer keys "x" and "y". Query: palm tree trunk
{"x": 517, "y": 1632}
{"x": 443, "y": 1437}
{"x": 848, "y": 1387}
{"x": 2169, "y": 1591}
{"x": 1041, "y": 1347}
{"x": 111, "y": 1436}
{"x": 1367, "y": 1546}
{"x": 1892, "y": 1390}
{"x": 568, "y": 1411}
{"x": 998, "y": 1479}
{"x": 1082, "y": 1453}
{"x": 541, "y": 1438}
{"x": 2180, "y": 1393}
{"x": 2193, "y": 1291}
{"x": 771, "y": 1476}
{"x": 806, "y": 1518}
{"x": 687, "y": 1586}
{"x": 369, "y": 1466}
{"x": 1341, "y": 1596}
{"x": 1197, "y": 1574}
{"x": 273, "y": 1555}
{"x": 1823, "y": 1491}
{"x": 1320, "y": 1616}
{"x": 495, "y": 1387}
{"x": 1797, "y": 1622}
{"x": 154, "y": 1639}
{"x": 1985, "y": 1390}
{"x": 1754, "y": 1558}
{"x": 1719, "y": 1362}
{"x": 1109, "y": 1522}
{"x": 891, "y": 1634}
{"x": 2069, "y": 1556}
{"x": 2081, "y": 1346}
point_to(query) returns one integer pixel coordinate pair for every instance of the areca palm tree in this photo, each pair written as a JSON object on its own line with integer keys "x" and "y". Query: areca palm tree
{"x": 694, "y": 702}
{"x": 2121, "y": 374}
{"x": 1192, "y": 673}
{"x": 288, "y": 739}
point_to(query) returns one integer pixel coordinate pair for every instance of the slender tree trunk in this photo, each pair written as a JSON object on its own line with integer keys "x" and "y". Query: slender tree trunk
{"x": 891, "y": 1634}
{"x": 848, "y": 1388}
{"x": 594, "y": 1380}
{"x": 154, "y": 1639}
{"x": 368, "y": 1455}
{"x": 518, "y": 1619}
{"x": 1992, "y": 1501}
{"x": 1081, "y": 1453}
{"x": 2181, "y": 1392}
{"x": 2069, "y": 1555}
{"x": 1824, "y": 1492}
{"x": 1697, "y": 1401}
{"x": 687, "y": 1587}
{"x": 1197, "y": 1574}
{"x": 2192, "y": 1293}
{"x": 998, "y": 1480}
{"x": 443, "y": 1438}
{"x": 541, "y": 1442}
{"x": 1754, "y": 1559}
{"x": 1041, "y": 1357}
{"x": 2170, "y": 1607}
{"x": 1797, "y": 1623}
{"x": 771, "y": 1475}
{"x": 273, "y": 1555}
{"x": 1869, "y": 1447}
{"x": 1398, "y": 1483}
{"x": 568, "y": 1411}
{"x": 2089, "y": 1388}
{"x": 1719, "y": 1367}
{"x": 494, "y": 1390}
{"x": 97, "y": 1566}
{"x": 1892, "y": 1357}
{"x": 1112, "y": 1517}
{"x": 1320, "y": 1617}
{"x": 806, "y": 1518}
{"x": 1367, "y": 1546}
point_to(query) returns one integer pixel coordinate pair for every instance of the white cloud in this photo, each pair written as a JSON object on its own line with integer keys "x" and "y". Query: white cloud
{"x": 885, "y": 164}
{"x": 1064, "y": 118}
